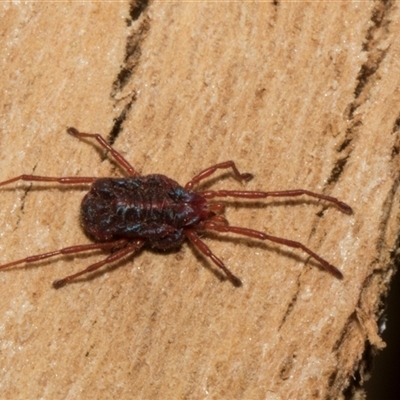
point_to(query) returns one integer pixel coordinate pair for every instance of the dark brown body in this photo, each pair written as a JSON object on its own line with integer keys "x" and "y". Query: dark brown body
{"x": 153, "y": 207}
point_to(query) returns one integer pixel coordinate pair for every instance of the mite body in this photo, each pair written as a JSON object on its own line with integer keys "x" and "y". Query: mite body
{"x": 151, "y": 207}
{"x": 124, "y": 214}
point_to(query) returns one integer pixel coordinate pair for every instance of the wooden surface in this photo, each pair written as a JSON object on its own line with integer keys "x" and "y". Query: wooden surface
{"x": 303, "y": 95}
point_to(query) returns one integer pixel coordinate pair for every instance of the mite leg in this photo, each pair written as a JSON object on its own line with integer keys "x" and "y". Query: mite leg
{"x": 68, "y": 180}
{"x": 263, "y": 236}
{"x": 209, "y": 171}
{"x": 209, "y": 194}
{"x": 117, "y": 156}
{"x": 137, "y": 244}
{"x": 68, "y": 250}
{"x": 191, "y": 235}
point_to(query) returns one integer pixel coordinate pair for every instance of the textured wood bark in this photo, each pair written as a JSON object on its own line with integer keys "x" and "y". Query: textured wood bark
{"x": 303, "y": 95}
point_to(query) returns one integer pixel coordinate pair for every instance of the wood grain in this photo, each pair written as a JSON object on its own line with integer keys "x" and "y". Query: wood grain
{"x": 303, "y": 95}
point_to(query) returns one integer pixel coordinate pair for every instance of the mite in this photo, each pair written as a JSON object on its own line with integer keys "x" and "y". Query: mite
{"x": 124, "y": 214}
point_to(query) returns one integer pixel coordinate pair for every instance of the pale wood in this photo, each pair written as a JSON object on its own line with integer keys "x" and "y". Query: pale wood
{"x": 274, "y": 87}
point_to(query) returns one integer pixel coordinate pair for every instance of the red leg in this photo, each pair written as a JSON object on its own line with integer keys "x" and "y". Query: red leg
{"x": 191, "y": 235}
{"x": 68, "y": 250}
{"x": 263, "y": 236}
{"x": 137, "y": 244}
{"x": 69, "y": 180}
{"x": 118, "y": 157}
{"x": 209, "y": 194}
{"x": 209, "y": 171}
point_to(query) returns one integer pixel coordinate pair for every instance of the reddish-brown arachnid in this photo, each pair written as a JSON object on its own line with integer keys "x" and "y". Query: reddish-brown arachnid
{"x": 125, "y": 214}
